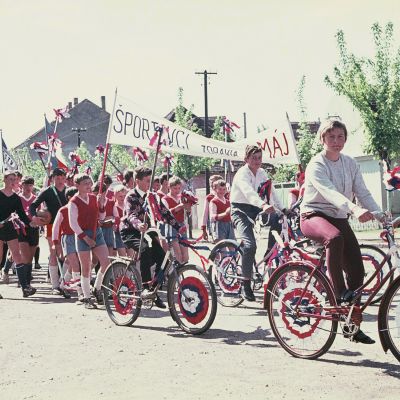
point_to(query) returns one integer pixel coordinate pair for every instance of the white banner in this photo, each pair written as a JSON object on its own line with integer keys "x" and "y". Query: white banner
{"x": 133, "y": 126}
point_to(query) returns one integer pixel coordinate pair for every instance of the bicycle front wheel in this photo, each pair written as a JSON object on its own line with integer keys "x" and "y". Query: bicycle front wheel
{"x": 225, "y": 272}
{"x": 372, "y": 256}
{"x": 121, "y": 288}
{"x": 389, "y": 319}
{"x": 295, "y": 311}
{"x": 192, "y": 300}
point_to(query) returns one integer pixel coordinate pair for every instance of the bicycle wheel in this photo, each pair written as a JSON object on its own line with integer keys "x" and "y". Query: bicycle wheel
{"x": 301, "y": 336}
{"x": 372, "y": 256}
{"x": 192, "y": 299}
{"x": 226, "y": 257}
{"x": 121, "y": 288}
{"x": 389, "y": 319}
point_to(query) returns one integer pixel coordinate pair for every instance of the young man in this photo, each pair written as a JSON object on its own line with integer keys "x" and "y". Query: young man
{"x": 84, "y": 211}
{"x": 246, "y": 204}
{"x": 64, "y": 241}
{"x": 29, "y": 241}
{"x": 54, "y": 197}
{"x": 136, "y": 221}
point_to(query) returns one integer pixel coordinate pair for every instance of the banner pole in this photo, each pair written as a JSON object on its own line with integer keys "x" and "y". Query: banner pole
{"x": 294, "y": 142}
{"x": 103, "y": 170}
{"x": 1, "y": 151}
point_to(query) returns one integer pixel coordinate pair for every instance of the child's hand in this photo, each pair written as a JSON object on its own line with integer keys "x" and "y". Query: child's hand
{"x": 142, "y": 227}
{"x": 89, "y": 241}
{"x": 101, "y": 200}
{"x": 182, "y": 230}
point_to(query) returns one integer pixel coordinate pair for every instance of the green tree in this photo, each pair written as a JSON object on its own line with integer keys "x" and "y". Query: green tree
{"x": 372, "y": 85}
{"x": 29, "y": 167}
{"x": 184, "y": 166}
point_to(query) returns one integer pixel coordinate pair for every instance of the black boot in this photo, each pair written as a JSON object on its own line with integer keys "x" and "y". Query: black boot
{"x": 159, "y": 303}
{"x": 247, "y": 291}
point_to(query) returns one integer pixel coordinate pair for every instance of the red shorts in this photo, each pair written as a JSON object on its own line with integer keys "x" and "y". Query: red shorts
{"x": 49, "y": 230}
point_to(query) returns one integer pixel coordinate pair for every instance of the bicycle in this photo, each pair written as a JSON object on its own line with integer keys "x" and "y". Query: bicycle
{"x": 304, "y": 314}
{"x": 191, "y": 295}
{"x": 225, "y": 270}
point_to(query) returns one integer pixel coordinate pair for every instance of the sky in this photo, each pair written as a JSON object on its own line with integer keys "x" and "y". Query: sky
{"x": 52, "y": 51}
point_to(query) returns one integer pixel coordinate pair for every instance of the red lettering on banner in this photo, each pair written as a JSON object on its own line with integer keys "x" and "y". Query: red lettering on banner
{"x": 277, "y": 144}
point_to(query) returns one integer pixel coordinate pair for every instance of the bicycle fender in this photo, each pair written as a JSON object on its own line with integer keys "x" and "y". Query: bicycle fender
{"x": 382, "y": 338}
{"x": 220, "y": 245}
{"x": 293, "y": 262}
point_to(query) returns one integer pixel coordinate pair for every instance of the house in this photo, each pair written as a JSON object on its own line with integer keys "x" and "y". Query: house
{"x": 84, "y": 114}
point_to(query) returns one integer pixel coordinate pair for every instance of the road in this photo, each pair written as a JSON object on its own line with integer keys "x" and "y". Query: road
{"x": 52, "y": 348}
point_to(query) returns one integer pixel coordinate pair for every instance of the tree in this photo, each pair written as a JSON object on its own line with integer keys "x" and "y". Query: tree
{"x": 28, "y": 167}
{"x": 373, "y": 88}
{"x": 184, "y": 166}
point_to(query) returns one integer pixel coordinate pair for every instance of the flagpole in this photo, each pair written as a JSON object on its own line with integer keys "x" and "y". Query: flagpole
{"x": 103, "y": 170}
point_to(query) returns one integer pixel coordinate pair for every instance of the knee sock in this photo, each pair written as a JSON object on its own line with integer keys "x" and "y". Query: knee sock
{"x": 37, "y": 255}
{"x": 85, "y": 283}
{"x": 54, "y": 278}
{"x": 77, "y": 276}
{"x": 21, "y": 273}
{"x": 28, "y": 268}
{"x": 99, "y": 280}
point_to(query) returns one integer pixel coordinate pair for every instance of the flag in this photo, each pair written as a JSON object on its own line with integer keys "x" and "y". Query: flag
{"x": 61, "y": 113}
{"x": 6, "y": 159}
{"x": 56, "y": 158}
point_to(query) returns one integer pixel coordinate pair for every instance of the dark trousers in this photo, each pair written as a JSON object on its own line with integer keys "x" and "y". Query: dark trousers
{"x": 149, "y": 256}
{"x": 342, "y": 249}
{"x": 274, "y": 225}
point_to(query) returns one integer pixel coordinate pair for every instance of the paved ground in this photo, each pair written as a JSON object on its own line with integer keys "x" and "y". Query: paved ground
{"x": 51, "y": 348}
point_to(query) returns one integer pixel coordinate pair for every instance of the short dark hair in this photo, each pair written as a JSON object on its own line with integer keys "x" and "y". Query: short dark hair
{"x": 27, "y": 180}
{"x": 163, "y": 177}
{"x": 107, "y": 180}
{"x": 78, "y": 178}
{"x": 156, "y": 179}
{"x": 58, "y": 172}
{"x": 128, "y": 175}
{"x": 71, "y": 191}
{"x": 142, "y": 172}
{"x": 8, "y": 173}
{"x": 18, "y": 174}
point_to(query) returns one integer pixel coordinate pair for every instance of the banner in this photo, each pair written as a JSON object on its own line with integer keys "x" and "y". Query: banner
{"x": 6, "y": 159}
{"x": 133, "y": 126}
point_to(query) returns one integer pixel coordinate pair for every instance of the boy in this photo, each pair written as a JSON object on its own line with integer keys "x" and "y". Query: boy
{"x": 84, "y": 211}
{"x": 62, "y": 230}
{"x": 173, "y": 202}
{"x": 28, "y": 242}
{"x": 220, "y": 213}
{"x": 136, "y": 221}
{"x": 54, "y": 197}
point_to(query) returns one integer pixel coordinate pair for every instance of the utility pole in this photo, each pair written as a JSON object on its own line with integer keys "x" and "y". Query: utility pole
{"x": 244, "y": 125}
{"x": 206, "y": 133}
{"x": 79, "y": 130}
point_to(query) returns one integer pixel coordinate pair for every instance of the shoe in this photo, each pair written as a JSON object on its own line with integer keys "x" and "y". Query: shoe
{"x": 347, "y": 296}
{"x": 359, "y": 337}
{"x": 247, "y": 291}
{"x": 159, "y": 303}
{"x": 5, "y": 278}
{"x": 66, "y": 294}
{"x": 98, "y": 294}
{"x": 61, "y": 292}
{"x": 89, "y": 304}
{"x": 148, "y": 294}
{"x": 1, "y": 296}
{"x": 81, "y": 297}
{"x": 28, "y": 291}
{"x": 37, "y": 266}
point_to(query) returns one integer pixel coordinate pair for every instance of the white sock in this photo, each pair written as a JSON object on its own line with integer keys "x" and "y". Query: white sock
{"x": 67, "y": 276}
{"x": 85, "y": 284}
{"x": 99, "y": 280}
{"x": 54, "y": 278}
{"x": 77, "y": 276}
